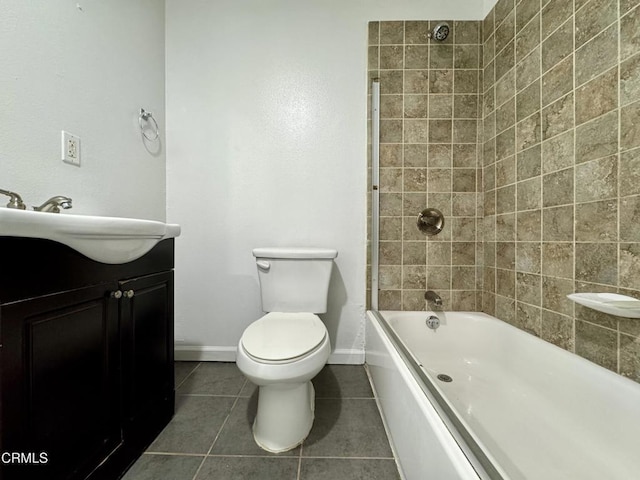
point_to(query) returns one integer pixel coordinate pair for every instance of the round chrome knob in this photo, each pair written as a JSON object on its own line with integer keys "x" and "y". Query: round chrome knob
{"x": 430, "y": 221}
{"x": 116, "y": 294}
{"x": 128, "y": 294}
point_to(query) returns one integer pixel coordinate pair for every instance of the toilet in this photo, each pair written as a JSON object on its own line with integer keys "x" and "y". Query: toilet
{"x": 283, "y": 350}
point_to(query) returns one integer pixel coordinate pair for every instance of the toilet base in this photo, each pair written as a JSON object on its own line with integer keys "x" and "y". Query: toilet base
{"x": 285, "y": 415}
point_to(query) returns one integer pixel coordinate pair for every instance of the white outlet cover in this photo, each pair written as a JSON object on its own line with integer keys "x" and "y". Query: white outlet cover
{"x": 70, "y": 148}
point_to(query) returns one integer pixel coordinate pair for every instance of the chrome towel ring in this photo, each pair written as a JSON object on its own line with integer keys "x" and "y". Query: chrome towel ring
{"x": 148, "y": 123}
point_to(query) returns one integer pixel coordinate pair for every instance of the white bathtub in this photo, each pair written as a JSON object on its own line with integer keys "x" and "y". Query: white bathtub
{"x": 517, "y": 408}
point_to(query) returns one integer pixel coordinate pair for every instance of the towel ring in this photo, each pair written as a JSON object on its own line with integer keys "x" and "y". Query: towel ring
{"x": 148, "y": 118}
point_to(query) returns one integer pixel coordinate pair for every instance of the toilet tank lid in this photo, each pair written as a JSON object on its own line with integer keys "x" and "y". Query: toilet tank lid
{"x": 294, "y": 252}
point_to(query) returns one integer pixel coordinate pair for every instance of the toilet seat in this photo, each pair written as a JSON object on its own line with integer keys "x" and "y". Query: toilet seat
{"x": 278, "y": 336}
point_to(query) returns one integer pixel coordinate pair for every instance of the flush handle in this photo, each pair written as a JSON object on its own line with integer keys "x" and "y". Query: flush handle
{"x": 263, "y": 265}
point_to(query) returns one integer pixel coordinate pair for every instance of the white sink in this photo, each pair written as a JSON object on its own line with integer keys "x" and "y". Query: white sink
{"x": 104, "y": 239}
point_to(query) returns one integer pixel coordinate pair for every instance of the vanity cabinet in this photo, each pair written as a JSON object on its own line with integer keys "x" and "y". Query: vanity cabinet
{"x": 86, "y": 360}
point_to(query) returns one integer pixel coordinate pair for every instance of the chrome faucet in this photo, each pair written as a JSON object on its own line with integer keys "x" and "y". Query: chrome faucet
{"x": 431, "y": 296}
{"x": 14, "y": 200}
{"x": 54, "y": 204}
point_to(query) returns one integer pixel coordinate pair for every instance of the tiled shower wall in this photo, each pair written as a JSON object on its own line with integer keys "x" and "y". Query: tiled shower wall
{"x": 549, "y": 203}
{"x": 562, "y": 171}
{"x": 430, "y": 110}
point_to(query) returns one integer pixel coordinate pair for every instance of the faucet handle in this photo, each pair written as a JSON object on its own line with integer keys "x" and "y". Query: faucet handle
{"x": 15, "y": 201}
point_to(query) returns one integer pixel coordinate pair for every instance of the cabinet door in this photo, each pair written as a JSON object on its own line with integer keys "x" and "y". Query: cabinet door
{"x": 147, "y": 355}
{"x": 60, "y": 385}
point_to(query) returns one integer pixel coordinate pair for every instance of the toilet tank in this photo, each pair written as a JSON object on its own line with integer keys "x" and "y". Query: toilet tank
{"x": 294, "y": 279}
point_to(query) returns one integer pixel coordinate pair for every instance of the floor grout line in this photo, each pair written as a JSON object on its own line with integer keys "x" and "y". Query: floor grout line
{"x": 176, "y": 454}
{"x": 223, "y": 425}
{"x": 195, "y": 475}
{"x": 217, "y": 434}
{"x": 300, "y": 461}
{"x": 187, "y": 376}
{"x": 299, "y": 456}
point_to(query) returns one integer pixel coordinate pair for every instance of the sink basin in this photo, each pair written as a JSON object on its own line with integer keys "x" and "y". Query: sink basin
{"x": 104, "y": 239}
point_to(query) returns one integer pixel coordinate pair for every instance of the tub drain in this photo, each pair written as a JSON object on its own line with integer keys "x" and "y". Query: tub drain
{"x": 445, "y": 378}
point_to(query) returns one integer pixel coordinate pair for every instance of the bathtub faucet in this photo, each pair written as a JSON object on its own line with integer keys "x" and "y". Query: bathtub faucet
{"x": 431, "y": 296}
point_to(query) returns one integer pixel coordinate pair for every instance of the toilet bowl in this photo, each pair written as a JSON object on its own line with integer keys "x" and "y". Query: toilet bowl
{"x": 282, "y": 366}
{"x": 283, "y": 350}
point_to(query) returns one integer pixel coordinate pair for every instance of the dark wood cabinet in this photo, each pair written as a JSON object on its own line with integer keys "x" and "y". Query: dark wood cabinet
{"x": 86, "y": 361}
{"x": 146, "y": 333}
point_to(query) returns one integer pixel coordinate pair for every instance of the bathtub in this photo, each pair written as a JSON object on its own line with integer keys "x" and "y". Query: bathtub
{"x": 516, "y": 407}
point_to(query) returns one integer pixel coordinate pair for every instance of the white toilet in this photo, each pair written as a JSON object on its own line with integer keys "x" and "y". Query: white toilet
{"x": 283, "y": 350}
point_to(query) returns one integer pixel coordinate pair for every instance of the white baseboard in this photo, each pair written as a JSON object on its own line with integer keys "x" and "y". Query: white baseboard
{"x": 346, "y": 357}
{"x": 196, "y": 353}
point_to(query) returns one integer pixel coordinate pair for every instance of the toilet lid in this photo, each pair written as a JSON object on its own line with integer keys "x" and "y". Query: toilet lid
{"x": 282, "y": 336}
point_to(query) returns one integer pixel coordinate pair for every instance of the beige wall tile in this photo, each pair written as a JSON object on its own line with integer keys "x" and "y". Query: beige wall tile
{"x": 630, "y": 172}
{"x": 557, "y": 329}
{"x": 630, "y": 80}
{"x": 630, "y": 126}
{"x": 558, "y": 152}
{"x": 597, "y": 180}
{"x": 597, "y": 263}
{"x": 598, "y": 138}
{"x": 630, "y": 266}
{"x": 593, "y": 18}
{"x": 597, "y": 344}
{"x": 391, "y": 32}
{"x": 529, "y": 162}
{"x": 597, "y": 97}
{"x": 524, "y": 131}
{"x": 417, "y": 32}
{"x": 557, "y": 259}
{"x": 554, "y": 295}
{"x": 597, "y": 55}
{"x": 557, "y": 224}
{"x": 629, "y": 37}
{"x": 597, "y": 221}
{"x": 558, "y": 81}
{"x": 554, "y": 14}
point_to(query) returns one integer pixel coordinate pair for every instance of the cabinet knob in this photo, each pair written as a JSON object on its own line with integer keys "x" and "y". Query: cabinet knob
{"x": 128, "y": 294}
{"x": 116, "y": 294}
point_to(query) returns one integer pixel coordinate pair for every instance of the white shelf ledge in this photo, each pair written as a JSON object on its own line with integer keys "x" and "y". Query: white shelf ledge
{"x": 611, "y": 303}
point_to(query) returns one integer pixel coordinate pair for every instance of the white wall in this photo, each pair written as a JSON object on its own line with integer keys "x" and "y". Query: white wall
{"x": 266, "y": 106}
{"x": 85, "y": 66}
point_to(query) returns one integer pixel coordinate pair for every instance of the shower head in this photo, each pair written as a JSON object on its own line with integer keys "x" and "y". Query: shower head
{"x": 440, "y": 32}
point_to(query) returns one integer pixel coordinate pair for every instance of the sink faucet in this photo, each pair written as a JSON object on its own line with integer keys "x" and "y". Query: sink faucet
{"x": 14, "y": 200}
{"x": 431, "y": 296}
{"x": 54, "y": 204}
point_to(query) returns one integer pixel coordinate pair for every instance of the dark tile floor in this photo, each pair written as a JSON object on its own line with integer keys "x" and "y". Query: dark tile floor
{"x": 210, "y": 435}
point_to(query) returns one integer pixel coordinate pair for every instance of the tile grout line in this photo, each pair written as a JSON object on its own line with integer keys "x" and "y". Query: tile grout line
{"x": 187, "y": 376}
{"x": 300, "y": 461}
{"x": 220, "y": 430}
{"x": 299, "y": 456}
{"x": 618, "y": 166}
{"x": 574, "y": 207}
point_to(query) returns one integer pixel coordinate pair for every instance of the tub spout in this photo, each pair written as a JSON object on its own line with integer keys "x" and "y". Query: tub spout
{"x": 431, "y": 296}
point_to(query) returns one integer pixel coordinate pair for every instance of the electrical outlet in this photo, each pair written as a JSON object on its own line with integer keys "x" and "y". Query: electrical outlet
{"x": 70, "y": 148}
